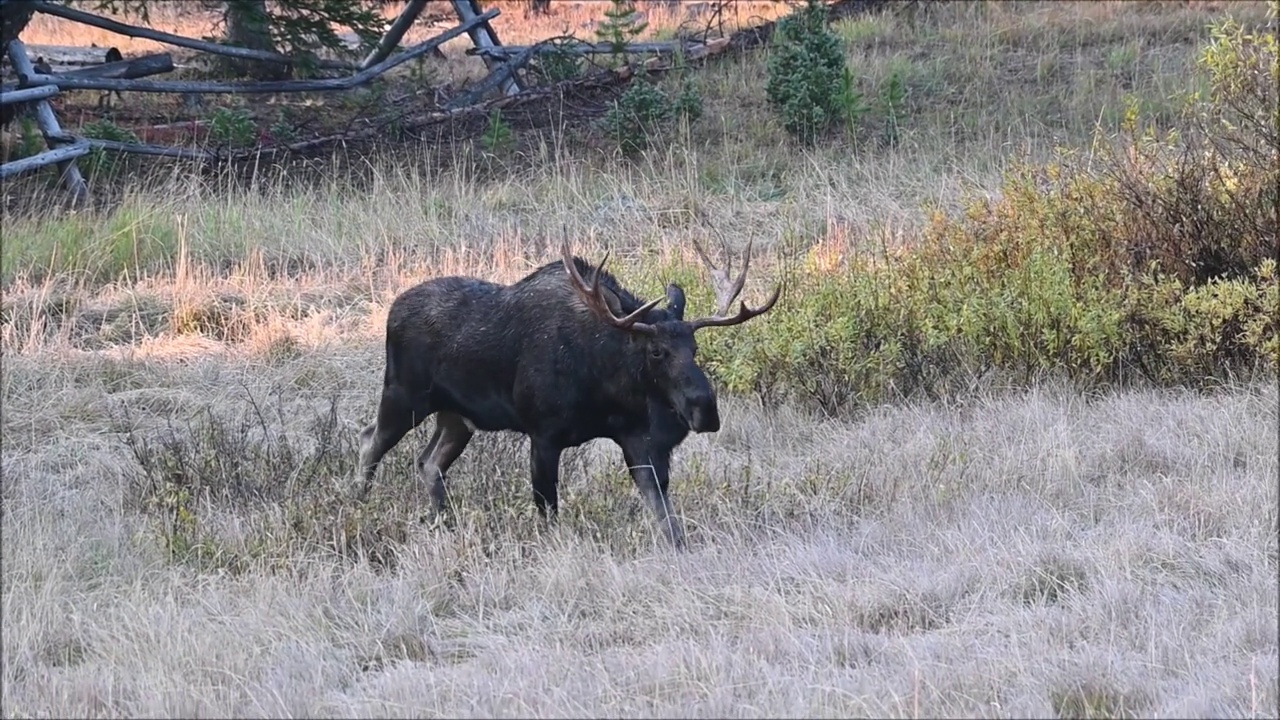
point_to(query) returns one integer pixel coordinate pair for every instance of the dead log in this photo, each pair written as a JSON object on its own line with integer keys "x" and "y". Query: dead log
{"x": 497, "y": 76}
{"x": 59, "y": 156}
{"x": 31, "y": 77}
{"x": 47, "y": 121}
{"x": 125, "y": 69}
{"x": 28, "y": 94}
{"x": 138, "y": 148}
{"x": 505, "y": 52}
{"x": 74, "y": 15}
{"x": 74, "y": 54}
{"x": 394, "y": 34}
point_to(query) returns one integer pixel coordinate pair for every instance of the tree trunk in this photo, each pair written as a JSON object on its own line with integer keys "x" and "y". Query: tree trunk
{"x": 249, "y": 26}
{"x": 14, "y": 16}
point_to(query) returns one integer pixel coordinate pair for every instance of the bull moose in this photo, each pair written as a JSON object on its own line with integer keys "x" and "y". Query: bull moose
{"x": 554, "y": 357}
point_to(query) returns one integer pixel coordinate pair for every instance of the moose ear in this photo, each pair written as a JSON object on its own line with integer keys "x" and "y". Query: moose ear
{"x": 675, "y": 301}
{"x": 611, "y": 299}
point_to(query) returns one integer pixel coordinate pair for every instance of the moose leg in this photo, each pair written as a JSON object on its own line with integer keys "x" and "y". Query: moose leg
{"x": 544, "y": 462}
{"x": 448, "y": 442}
{"x": 396, "y": 417}
{"x": 651, "y": 469}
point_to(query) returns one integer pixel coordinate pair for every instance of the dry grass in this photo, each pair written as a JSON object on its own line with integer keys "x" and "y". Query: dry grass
{"x": 1025, "y": 556}
{"x": 185, "y": 373}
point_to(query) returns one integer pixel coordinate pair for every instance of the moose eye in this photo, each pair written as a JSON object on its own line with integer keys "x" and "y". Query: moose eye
{"x": 657, "y": 353}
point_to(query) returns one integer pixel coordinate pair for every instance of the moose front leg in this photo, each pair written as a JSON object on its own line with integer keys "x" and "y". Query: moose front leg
{"x": 650, "y": 466}
{"x": 544, "y": 463}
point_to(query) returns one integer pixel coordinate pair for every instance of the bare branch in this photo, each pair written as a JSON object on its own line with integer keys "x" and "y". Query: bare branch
{"x": 394, "y": 33}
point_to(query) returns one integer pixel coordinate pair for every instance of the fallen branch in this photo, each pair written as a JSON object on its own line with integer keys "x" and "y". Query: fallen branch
{"x": 57, "y": 155}
{"x": 275, "y": 86}
{"x": 414, "y": 123}
{"x": 581, "y": 48}
{"x": 394, "y": 33}
{"x": 496, "y": 77}
{"x": 74, "y": 54}
{"x": 120, "y": 28}
{"x": 138, "y": 148}
{"x": 123, "y": 70}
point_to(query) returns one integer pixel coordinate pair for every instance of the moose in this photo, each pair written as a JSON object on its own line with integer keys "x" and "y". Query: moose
{"x": 556, "y": 358}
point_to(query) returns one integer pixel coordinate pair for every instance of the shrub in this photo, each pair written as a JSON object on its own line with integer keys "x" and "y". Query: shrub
{"x": 622, "y": 24}
{"x": 1154, "y": 261}
{"x": 232, "y": 128}
{"x": 645, "y": 111}
{"x": 498, "y": 135}
{"x": 560, "y": 64}
{"x": 808, "y": 81}
{"x": 100, "y": 161}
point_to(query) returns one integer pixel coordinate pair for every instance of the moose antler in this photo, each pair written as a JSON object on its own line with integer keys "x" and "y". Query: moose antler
{"x": 727, "y": 292}
{"x": 593, "y": 295}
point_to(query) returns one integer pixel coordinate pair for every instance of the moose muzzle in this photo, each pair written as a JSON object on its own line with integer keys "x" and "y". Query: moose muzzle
{"x": 703, "y": 416}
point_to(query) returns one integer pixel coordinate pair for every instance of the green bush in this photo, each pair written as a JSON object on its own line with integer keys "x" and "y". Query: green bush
{"x": 622, "y": 24}
{"x": 560, "y": 64}
{"x": 232, "y": 127}
{"x": 105, "y": 162}
{"x": 498, "y": 136}
{"x": 646, "y": 111}
{"x": 808, "y": 82}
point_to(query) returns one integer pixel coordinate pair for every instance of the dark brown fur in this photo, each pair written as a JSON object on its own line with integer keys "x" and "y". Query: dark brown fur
{"x": 535, "y": 358}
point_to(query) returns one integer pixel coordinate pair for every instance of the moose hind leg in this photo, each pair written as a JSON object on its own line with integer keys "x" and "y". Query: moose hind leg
{"x": 396, "y": 417}
{"x": 451, "y": 437}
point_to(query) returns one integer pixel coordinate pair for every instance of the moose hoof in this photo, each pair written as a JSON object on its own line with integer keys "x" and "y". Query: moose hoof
{"x": 674, "y": 532}
{"x": 359, "y": 491}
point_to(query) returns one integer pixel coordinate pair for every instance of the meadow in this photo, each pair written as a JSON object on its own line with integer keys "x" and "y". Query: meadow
{"x": 185, "y": 371}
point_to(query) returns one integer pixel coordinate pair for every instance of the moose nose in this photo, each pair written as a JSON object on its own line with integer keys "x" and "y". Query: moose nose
{"x": 705, "y": 417}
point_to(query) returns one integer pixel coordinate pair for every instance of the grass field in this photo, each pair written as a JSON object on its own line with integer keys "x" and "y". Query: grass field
{"x": 185, "y": 373}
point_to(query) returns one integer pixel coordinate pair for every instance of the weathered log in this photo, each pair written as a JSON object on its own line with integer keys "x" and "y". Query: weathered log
{"x": 500, "y": 74}
{"x": 394, "y": 33}
{"x": 139, "y": 148}
{"x": 27, "y": 94}
{"x": 74, "y": 54}
{"x": 114, "y": 26}
{"x": 30, "y": 77}
{"x": 483, "y": 36}
{"x": 58, "y": 155}
{"x": 48, "y": 124}
{"x": 582, "y": 48}
{"x": 125, "y": 69}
